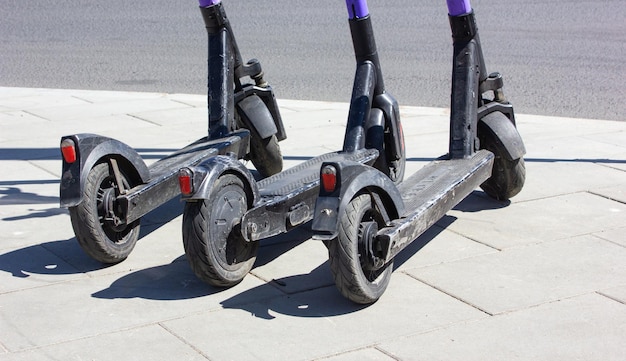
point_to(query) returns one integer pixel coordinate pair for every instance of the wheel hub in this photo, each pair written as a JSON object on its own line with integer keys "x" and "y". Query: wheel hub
{"x": 369, "y": 247}
{"x": 108, "y": 207}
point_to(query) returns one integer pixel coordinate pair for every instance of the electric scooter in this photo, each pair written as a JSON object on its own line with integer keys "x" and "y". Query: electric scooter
{"x": 368, "y": 220}
{"x": 227, "y": 213}
{"x": 108, "y": 187}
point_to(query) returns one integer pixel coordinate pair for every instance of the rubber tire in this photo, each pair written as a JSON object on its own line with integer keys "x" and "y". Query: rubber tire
{"x": 98, "y": 238}
{"x": 508, "y": 176}
{"x": 265, "y": 155}
{"x": 354, "y": 283}
{"x": 215, "y": 248}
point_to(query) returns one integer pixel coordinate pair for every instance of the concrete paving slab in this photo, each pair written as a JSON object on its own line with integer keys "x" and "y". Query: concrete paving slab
{"x": 92, "y": 306}
{"x": 31, "y": 267}
{"x": 296, "y": 327}
{"x": 437, "y": 246}
{"x": 31, "y": 224}
{"x": 144, "y": 343}
{"x": 117, "y": 107}
{"x": 25, "y": 98}
{"x": 560, "y": 239}
{"x": 572, "y": 148}
{"x": 502, "y": 225}
{"x": 294, "y": 266}
{"x": 523, "y": 277}
{"x": 543, "y": 129}
{"x": 366, "y": 354}
{"x": 587, "y": 327}
{"x": 544, "y": 178}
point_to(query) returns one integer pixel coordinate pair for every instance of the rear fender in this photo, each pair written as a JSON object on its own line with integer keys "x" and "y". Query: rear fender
{"x": 354, "y": 178}
{"x": 206, "y": 174}
{"x": 90, "y": 150}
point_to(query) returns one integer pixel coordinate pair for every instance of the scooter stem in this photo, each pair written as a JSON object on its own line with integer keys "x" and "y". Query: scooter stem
{"x": 468, "y": 71}
{"x": 220, "y": 69}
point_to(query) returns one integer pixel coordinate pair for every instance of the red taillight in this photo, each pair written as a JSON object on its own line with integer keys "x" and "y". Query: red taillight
{"x": 68, "y": 149}
{"x": 185, "y": 181}
{"x": 329, "y": 178}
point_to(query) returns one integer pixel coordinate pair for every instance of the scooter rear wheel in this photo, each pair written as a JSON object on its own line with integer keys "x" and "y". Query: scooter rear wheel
{"x": 215, "y": 248}
{"x": 508, "y": 176}
{"x": 100, "y": 233}
{"x": 354, "y": 278}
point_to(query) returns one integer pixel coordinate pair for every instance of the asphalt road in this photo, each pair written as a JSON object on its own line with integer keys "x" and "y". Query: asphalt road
{"x": 558, "y": 57}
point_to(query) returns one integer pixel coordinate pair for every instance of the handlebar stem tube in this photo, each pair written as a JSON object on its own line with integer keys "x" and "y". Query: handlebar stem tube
{"x": 364, "y": 45}
{"x": 468, "y": 71}
{"x": 220, "y": 64}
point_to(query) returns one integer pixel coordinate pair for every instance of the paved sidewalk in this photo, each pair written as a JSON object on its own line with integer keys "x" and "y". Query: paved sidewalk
{"x": 541, "y": 278}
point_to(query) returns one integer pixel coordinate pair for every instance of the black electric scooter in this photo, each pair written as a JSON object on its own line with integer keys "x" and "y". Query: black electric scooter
{"x": 108, "y": 187}
{"x": 367, "y": 220}
{"x": 227, "y": 212}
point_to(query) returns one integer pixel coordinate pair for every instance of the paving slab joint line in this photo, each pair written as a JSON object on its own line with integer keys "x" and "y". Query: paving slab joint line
{"x": 373, "y": 346}
{"x": 86, "y": 337}
{"x": 606, "y": 197}
{"x": 144, "y": 120}
{"x": 449, "y": 294}
{"x": 611, "y": 298}
{"x": 473, "y": 240}
{"x": 376, "y": 347}
{"x": 35, "y": 115}
{"x": 82, "y": 99}
{"x": 3, "y": 348}
{"x": 184, "y": 341}
{"x": 184, "y": 103}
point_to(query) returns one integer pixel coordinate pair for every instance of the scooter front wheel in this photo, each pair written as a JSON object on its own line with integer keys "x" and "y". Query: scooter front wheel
{"x": 265, "y": 155}
{"x": 100, "y": 232}
{"x": 508, "y": 175}
{"x": 216, "y": 250}
{"x": 354, "y": 276}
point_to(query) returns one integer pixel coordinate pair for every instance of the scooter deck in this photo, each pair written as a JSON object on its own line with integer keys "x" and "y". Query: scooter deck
{"x": 430, "y": 193}
{"x": 163, "y": 184}
{"x": 288, "y": 198}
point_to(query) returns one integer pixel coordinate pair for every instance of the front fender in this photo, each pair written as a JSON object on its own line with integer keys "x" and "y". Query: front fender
{"x": 206, "y": 173}
{"x": 505, "y": 132}
{"x": 90, "y": 149}
{"x": 255, "y": 115}
{"x": 353, "y": 178}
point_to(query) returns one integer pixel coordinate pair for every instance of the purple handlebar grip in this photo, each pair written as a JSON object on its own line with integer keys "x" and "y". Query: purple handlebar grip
{"x": 459, "y": 7}
{"x": 205, "y": 3}
{"x": 357, "y": 8}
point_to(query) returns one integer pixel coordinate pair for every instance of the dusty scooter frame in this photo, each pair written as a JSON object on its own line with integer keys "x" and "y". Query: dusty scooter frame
{"x": 366, "y": 225}
{"x": 107, "y": 186}
{"x": 227, "y": 213}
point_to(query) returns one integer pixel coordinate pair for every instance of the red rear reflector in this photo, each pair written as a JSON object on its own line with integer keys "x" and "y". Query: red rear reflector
{"x": 68, "y": 149}
{"x": 185, "y": 181}
{"x": 329, "y": 178}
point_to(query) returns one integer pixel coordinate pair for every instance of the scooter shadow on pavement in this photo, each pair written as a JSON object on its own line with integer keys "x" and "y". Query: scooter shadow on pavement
{"x": 176, "y": 281}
